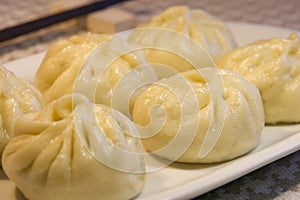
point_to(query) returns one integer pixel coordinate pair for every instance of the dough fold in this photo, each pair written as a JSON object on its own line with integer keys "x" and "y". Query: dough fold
{"x": 216, "y": 116}
{"x": 74, "y": 149}
{"x": 273, "y": 65}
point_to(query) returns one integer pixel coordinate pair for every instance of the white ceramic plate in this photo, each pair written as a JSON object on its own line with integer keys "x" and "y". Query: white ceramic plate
{"x": 183, "y": 181}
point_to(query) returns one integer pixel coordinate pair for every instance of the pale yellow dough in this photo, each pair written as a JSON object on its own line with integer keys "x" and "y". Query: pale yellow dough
{"x": 17, "y": 97}
{"x": 66, "y": 59}
{"x": 57, "y": 153}
{"x": 198, "y": 26}
{"x": 236, "y": 110}
{"x": 273, "y": 65}
{"x": 62, "y": 62}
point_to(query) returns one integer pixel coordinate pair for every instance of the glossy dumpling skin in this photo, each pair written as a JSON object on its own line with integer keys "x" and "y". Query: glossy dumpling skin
{"x": 200, "y": 27}
{"x": 57, "y": 153}
{"x": 234, "y": 109}
{"x": 17, "y": 98}
{"x": 58, "y": 70}
{"x": 65, "y": 60}
{"x": 273, "y": 65}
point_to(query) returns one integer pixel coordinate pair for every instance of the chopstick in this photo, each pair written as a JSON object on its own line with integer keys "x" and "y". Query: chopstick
{"x": 12, "y": 32}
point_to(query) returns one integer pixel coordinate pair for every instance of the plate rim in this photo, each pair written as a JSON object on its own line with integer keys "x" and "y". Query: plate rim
{"x": 188, "y": 191}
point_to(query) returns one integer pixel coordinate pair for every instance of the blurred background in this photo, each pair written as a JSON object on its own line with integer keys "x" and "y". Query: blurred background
{"x": 283, "y": 13}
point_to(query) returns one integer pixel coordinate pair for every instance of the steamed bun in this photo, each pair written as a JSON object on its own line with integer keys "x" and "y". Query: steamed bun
{"x": 65, "y": 61}
{"x": 17, "y": 98}
{"x": 196, "y": 25}
{"x": 62, "y": 62}
{"x": 273, "y": 65}
{"x": 74, "y": 149}
{"x": 199, "y": 114}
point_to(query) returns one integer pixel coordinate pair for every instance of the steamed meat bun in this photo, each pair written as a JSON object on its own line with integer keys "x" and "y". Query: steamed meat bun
{"x": 196, "y": 25}
{"x": 223, "y": 121}
{"x": 273, "y": 65}
{"x": 74, "y": 150}
{"x": 65, "y": 61}
{"x": 17, "y": 98}
{"x": 62, "y": 62}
